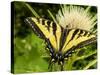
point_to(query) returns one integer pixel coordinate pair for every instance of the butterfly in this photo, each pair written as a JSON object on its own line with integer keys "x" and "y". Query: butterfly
{"x": 61, "y": 42}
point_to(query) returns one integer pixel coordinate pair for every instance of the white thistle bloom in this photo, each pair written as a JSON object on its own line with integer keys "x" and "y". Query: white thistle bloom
{"x": 76, "y": 17}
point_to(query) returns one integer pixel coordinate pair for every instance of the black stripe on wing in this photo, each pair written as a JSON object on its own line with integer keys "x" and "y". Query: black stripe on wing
{"x": 74, "y": 34}
{"x": 35, "y": 29}
{"x": 64, "y": 33}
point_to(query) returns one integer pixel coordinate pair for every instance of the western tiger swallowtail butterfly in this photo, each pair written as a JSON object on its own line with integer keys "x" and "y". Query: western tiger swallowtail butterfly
{"x": 61, "y": 42}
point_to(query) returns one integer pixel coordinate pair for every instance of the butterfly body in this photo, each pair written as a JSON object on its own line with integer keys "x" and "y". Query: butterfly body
{"x": 61, "y": 42}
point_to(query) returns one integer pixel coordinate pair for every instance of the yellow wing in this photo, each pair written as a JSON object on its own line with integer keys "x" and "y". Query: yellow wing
{"x": 77, "y": 38}
{"x": 61, "y": 39}
{"x": 47, "y": 30}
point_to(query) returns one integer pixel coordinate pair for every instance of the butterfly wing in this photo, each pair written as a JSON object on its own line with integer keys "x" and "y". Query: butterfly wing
{"x": 59, "y": 39}
{"x": 76, "y": 38}
{"x": 47, "y": 30}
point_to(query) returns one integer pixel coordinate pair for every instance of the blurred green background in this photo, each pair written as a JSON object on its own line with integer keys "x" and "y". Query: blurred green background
{"x": 28, "y": 51}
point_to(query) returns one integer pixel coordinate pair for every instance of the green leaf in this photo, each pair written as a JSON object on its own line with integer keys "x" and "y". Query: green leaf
{"x": 32, "y": 10}
{"x": 90, "y": 64}
{"x": 86, "y": 56}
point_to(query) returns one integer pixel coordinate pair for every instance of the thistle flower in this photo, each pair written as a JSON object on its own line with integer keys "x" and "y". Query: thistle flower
{"x": 76, "y": 17}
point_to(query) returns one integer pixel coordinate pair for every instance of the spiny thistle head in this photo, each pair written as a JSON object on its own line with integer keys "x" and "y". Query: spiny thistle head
{"x": 76, "y": 17}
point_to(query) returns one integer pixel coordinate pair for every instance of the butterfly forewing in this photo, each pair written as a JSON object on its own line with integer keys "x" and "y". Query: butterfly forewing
{"x": 75, "y": 37}
{"x": 47, "y": 30}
